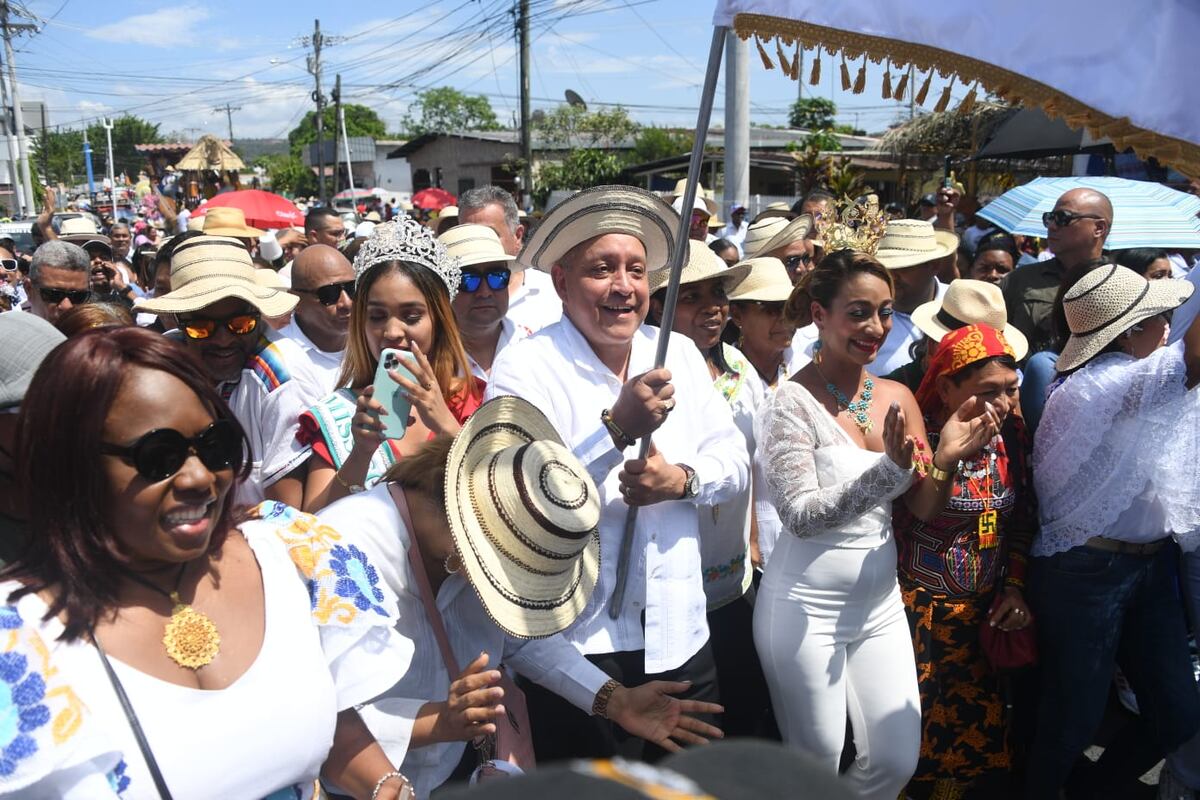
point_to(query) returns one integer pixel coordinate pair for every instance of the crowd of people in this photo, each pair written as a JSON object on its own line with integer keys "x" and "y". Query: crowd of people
{"x": 300, "y": 514}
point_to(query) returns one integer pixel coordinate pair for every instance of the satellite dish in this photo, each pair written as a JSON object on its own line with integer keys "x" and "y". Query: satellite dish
{"x": 573, "y": 99}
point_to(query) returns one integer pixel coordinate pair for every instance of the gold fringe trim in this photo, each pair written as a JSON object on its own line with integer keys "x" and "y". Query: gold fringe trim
{"x": 784, "y": 62}
{"x": 887, "y": 81}
{"x": 902, "y": 87}
{"x": 1012, "y": 87}
{"x": 762, "y": 53}
{"x": 944, "y": 101}
{"x": 814, "y": 77}
{"x": 796, "y": 62}
{"x": 968, "y": 102}
{"x": 923, "y": 92}
{"x": 860, "y": 82}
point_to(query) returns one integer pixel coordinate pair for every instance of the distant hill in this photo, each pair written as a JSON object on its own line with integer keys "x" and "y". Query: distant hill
{"x": 250, "y": 149}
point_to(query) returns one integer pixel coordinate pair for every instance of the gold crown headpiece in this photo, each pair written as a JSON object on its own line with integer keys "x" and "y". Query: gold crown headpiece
{"x": 852, "y": 225}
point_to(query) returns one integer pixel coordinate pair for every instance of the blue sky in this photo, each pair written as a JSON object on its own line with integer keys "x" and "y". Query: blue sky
{"x": 174, "y": 64}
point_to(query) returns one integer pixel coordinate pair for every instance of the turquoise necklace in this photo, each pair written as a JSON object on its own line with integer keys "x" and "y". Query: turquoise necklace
{"x": 859, "y": 410}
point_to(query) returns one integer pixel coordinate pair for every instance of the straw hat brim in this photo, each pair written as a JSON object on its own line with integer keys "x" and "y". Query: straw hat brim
{"x": 925, "y": 318}
{"x": 86, "y": 238}
{"x": 599, "y": 211}
{"x": 1161, "y": 296}
{"x": 730, "y": 276}
{"x": 947, "y": 243}
{"x": 797, "y": 228}
{"x": 211, "y": 289}
{"x": 522, "y": 603}
{"x": 768, "y": 291}
{"x": 236, "y": 232}
{"x": 476, "y": 259}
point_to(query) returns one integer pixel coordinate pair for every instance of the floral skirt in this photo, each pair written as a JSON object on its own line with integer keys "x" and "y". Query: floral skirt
{"x": 964, "y": 730}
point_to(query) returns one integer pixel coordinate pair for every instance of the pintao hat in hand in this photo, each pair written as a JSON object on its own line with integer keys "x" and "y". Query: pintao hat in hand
{"x": 27, "y": 340}
{"x": 1108, "y": 301}
{"x": 228, "y": 221}
{"x": 208, "y": 269}
{"x": 475, "y": 244}
{"x": 701, "y": 265}
{"x": 599, "y": 211}
{"x": 910, "y": 242}
{"x": 968, "y": 302}
{"x": 525, "y": 516}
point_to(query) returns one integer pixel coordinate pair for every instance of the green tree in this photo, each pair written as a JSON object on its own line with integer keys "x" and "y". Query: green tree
{"x": 812, "y": 114}
{"x": 64, "y": 149}
{"x": 581, "y": 169}
{"x": 288, "y": 175}
{"x": 360, "y": 121}
{"x": 574, "y": 126}
{"x": 653, "y": 144}
{"x": 60, "y": 155}
{"x": 446, "y": 109}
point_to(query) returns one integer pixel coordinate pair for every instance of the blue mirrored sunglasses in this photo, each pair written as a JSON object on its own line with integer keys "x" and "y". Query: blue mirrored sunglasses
{"x": 497, "y": 279}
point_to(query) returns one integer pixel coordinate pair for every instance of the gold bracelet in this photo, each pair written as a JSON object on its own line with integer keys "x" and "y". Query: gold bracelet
{"x": 352, "y": 488}
{"x": 600, "y": 704}
{"x": 938, "y": 474}
{"x": 615, "y": 430}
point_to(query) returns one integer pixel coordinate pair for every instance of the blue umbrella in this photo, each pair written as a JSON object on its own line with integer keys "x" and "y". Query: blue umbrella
{"x": 1145, "y": 214}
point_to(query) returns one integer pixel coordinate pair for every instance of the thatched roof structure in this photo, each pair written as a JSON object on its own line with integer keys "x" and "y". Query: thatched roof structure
{"x": 950, "y": 133}
{"x": 211, "y": 153}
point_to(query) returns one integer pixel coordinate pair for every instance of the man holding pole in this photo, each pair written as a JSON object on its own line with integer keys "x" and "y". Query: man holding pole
{"x": 592, "y": 374}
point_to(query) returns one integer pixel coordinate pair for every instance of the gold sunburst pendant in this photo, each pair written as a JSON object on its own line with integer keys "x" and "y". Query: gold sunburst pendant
{"x": 191, "y": 638}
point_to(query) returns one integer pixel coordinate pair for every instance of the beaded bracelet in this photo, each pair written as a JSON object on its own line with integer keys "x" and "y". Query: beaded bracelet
{"x": 600, "y": 704}
{"x": 387, "y": 776}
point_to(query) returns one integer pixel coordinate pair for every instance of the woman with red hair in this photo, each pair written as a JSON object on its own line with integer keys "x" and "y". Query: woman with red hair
{"x": 149, "y": 623}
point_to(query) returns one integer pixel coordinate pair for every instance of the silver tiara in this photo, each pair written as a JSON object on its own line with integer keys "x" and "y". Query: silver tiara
{"x": 405, "y": 239}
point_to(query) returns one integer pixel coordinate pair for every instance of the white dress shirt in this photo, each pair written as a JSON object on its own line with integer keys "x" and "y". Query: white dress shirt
{"x": 535, "y": 305}
{"x": 510, "y": 332}
{"x": 326, "y": 366}
{"x": 894, "y": 353}
{"x": 558, "y": 372}
{"x": 551, "y": 662}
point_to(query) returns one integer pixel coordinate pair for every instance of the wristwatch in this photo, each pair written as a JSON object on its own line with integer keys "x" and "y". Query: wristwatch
{"x": 691, "y": 482}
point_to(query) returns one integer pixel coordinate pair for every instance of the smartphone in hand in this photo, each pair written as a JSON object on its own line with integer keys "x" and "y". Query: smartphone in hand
{"x": 389, "y": 393}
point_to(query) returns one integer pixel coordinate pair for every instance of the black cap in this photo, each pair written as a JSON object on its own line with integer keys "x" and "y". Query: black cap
{"x": 928, "y": 200}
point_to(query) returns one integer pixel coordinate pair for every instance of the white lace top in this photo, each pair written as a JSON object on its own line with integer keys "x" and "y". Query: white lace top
{"x": 824, "y": 486}
{"x": 1117, "y": 454}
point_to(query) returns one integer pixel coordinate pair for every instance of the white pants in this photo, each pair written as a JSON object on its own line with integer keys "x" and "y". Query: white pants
{"x": 830, "y": 630}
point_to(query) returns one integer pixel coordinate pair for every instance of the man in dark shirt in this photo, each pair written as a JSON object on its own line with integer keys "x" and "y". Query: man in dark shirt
{"x": 1081, "y": 221}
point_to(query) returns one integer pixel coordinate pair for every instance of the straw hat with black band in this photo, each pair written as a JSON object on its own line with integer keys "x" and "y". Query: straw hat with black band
{"x": 701, "y": 265}
{"x": 208, "y": 269}
{"x": 525, "y": 516}
{"x": 1108, "y": 301}
{"x": 969, "y": 302}
{"x": 228, "y": 221}
{"x": 83, "y": 231}
{"x": 598, "y": 211}
{"x": 911, "y": 242}
{"x": 475, "y": 244}
{"x": 768, "y": 235}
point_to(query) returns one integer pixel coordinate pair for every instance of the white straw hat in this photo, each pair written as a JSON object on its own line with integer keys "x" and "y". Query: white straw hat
{"x": 909, "y": 242}
{"x": 525, "y": 518}
{"x": 1108, "y": 301}
{"x": 702, "y": 264}
{"x": 767, "y": 280}
{"x": 208, "y": 269}
{"x": 698, "y": 204}
{"x": 776, "y": 209}
{"x": 82, "y": 231}
{"x": 701, "y": 193}
{"x": 967, "y": 302}
{"x": 474, "y": 244}
{"x": 599, "y": 211}
{"x": 228, "y": 221}
{"x": 772, "y": 233}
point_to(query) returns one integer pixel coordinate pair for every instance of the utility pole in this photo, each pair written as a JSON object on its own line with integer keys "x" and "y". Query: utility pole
{"x": 112, "y": 173}
{"x": 336, "y": 94}
{"x": 228, "y": 109}
{"x": 314, "y": 66}
{"x": 18, "y": 117}
{"x": 737, "y": 124}
{"x": 341, "y": 121}
{"x": 45, "y": 148}
{"x": 14, "y": 174}
{"x": 87, "y": 163}
{"x": 526, "y": 132}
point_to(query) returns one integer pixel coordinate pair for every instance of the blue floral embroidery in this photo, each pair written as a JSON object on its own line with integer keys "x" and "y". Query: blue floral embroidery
{"x": 21, "y": 709}
{"x": 357, "y": 579}
{"x": 10, "y": 618}
{"x": 287, "y": 793}
{"x": 117, "y": 779}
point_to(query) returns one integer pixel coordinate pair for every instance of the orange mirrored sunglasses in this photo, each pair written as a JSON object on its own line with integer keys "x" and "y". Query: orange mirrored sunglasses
{"x": 204, "y": 328}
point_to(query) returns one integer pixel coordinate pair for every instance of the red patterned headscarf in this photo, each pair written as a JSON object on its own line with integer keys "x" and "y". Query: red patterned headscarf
{"x": 957, "y": 349}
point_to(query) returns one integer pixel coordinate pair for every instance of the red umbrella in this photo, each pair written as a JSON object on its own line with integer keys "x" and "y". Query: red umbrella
{"x": 262, "y": 209}
{"x": 433, "y": 199}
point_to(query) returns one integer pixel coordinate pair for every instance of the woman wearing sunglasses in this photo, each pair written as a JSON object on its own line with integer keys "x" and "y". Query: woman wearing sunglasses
{"x": 481, "y": 307}
{"x": 758, "y": 328}
{"x": 147, "y": 622}
{"x": 405, "y": 282}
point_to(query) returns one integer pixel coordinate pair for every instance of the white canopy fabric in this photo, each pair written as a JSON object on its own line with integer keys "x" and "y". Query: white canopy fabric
{"x": 1123, "y": 70}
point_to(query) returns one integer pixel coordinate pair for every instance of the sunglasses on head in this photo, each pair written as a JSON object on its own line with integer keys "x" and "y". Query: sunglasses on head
{"x": 53, "y": 297}
{"x": 330, "y": 293}
{"x": 497, "y": 279}
{"x": 239, "y": 325}
{"x": 161, "y": 453}
{"x": 1064, "y": 218}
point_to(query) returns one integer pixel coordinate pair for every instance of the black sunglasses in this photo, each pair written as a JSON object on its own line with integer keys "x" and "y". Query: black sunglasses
{"x": 794, "y": 263}
{"x": 53, "y": 297}
{"x": 1064, "y": 218}
{"x": 497, "y": 279}
{"x": 772, "y": 307}
{"x": 160, "y": 453}
{"x": 330, "y": 293}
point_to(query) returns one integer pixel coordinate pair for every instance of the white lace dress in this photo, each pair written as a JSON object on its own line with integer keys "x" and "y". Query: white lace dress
{"x": 1117, "y": 454}
{"x": 829, "y": 623}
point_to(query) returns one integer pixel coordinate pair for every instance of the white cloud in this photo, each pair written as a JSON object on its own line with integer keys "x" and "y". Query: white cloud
{"x": 163, "y": 28}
